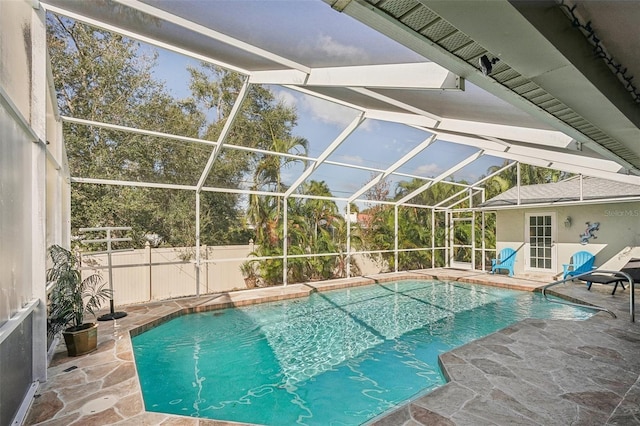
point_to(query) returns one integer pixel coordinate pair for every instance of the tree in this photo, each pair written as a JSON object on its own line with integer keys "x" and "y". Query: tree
{"x": 529, "y": 175}
{"x": 101, "y": 76}
{"x": 104, "y": 77}
{"x": 265, "y": 212}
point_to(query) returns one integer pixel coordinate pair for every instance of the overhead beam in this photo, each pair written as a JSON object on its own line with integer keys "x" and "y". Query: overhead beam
{"x": 137, "y": 36}
{"x": 421, "y": 75}
{"x": 244, "y": 90}
{"x": 523, "y": 134}
{"x": 470, "y": 159}
{"x": 546, "y": 155}
{"x": 208, "y": 32}
{"x": 327, "y": 152}
{"x": 403, "y": 118}
{"x": 407, "y": 157}
{"x": 474, "y": 25}
{"x": 481, "y": 181}
{"x": 394, "y": 102}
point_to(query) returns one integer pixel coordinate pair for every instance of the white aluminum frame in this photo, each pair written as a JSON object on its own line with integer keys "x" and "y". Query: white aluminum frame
{"x": 532, "y": 146}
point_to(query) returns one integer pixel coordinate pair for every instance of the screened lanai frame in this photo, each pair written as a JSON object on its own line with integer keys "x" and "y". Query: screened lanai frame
{"x": 540, "y": 147}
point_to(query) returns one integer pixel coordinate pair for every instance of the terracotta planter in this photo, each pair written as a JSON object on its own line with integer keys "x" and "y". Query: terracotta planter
{"x": 81, "y": 340}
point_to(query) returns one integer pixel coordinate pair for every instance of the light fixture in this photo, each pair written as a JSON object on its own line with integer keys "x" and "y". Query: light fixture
{"x": 486, "y": 64}
{"x": 567, "y": 222}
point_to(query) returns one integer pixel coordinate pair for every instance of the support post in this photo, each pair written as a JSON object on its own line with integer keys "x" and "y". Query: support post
{"x": 197, "y": 244}
{"x": 395, "y": 235}
{"x": 285, "y": 242}
{"x": 112, "y": 315}
{"x": 349, "y": 240}
{"x": 147, "y": 247}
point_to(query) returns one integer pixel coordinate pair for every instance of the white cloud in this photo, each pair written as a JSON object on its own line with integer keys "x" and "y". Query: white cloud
{"x": 287, "y": 98}
{"x": 327, "y": 112}
{"x": 427, "y": 169}
{"x": 318, "y": 109}
{"x": 328, "y": 46}
{"x": 352, "y": 159}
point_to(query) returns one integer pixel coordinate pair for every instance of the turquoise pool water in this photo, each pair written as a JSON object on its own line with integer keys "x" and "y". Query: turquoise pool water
{"x": 337, "y": 358}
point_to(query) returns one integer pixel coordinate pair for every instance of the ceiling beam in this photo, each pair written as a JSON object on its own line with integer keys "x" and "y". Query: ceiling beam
{"x": 514, "y": 36}
{"x": 327, "y": 152}
{"x": 470, "y": 159}
{"x": 522, "y": 134}
{"x": 244, "y": 90}
{"x": 208, "y": 32}
{"x": 137, "y": 36}
{"x": 421, "y": 76}
{"x": 407, "y": 157}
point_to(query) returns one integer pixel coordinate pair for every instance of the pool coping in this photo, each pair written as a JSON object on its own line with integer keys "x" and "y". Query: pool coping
{"x": 111, "y": 370}
{"x": 293, "y": 291}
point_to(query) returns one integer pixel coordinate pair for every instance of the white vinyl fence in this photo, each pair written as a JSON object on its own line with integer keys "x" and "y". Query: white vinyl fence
{"x": 149, "y": 274}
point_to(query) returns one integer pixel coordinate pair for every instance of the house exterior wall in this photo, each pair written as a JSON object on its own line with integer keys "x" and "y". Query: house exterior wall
{"x": 24, "y": 100}
{"x": 619, "y": 232}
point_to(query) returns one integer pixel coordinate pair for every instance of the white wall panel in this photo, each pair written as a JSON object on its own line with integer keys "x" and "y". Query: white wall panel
{"x": 15, "y": 225}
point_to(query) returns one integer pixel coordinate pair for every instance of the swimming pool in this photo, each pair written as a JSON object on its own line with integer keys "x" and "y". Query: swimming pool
{"x": 336, "y": 358}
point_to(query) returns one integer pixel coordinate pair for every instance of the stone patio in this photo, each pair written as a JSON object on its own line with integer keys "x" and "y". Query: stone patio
{"x": 536, "y": 372}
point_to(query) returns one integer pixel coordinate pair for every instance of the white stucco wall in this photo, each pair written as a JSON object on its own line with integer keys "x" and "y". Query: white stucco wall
{"x": 23, "y": 204}
{"x": 619, "y": 233}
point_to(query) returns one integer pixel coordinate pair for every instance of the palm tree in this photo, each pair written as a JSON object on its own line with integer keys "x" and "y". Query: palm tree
{"x": 529, "y": 175}
{"x": 264, "y": 215}
{"x": 268, "y": 172}
{"x": 322, "y": 212}
{"x": 265, "y": 212}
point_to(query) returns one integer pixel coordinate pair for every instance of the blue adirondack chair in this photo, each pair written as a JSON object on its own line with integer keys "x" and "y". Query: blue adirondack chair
{"x": 506, "y": 260}
{"x": 581, "y": 262}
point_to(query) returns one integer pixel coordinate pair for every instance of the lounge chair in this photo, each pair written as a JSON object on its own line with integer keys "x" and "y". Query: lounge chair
{"x": 632, "y": 268}
{"x": 604, "y": 278}
{"x": 506, "y": 260}
{"x": 581, "y": 262}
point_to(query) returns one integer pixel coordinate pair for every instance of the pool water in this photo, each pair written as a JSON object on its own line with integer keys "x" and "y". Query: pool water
{"x": 336, "y": 358}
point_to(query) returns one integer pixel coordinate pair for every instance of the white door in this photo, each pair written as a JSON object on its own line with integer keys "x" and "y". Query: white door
{"x": 540, "y": 230}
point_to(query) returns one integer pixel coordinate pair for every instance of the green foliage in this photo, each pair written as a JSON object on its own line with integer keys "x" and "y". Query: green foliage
{"x": 71, "y": 296}
{"x": 104, "y": 77}
{"x": 314, "y": 227}
{"x": 529, "y": 175}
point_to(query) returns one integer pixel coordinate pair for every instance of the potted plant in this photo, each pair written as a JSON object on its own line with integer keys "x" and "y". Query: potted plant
{"x": 70, "y": 298}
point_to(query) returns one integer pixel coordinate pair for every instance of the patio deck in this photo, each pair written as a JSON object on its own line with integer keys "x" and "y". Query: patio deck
{"x": 536, "y": 372}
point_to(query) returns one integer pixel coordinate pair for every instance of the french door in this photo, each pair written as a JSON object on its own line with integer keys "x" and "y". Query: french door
{"x": 540, "y": 229}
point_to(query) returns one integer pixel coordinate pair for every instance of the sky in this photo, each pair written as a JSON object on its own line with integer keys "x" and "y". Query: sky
{"x": 328, "y": 34}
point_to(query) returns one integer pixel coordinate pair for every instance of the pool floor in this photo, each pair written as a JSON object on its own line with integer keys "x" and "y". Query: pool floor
{"x": 339, "y": 357}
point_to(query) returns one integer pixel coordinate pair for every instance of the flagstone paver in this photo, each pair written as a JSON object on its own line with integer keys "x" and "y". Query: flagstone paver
{"x": 535, "y": 372}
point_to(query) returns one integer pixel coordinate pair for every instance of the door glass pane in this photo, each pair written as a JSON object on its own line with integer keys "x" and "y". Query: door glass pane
{"x": 541, "y": 241}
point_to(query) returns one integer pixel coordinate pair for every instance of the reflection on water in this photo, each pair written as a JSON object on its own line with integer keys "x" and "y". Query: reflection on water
{"x": 339, "y": 357}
